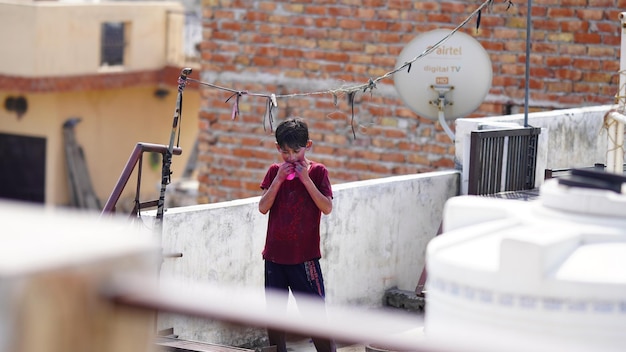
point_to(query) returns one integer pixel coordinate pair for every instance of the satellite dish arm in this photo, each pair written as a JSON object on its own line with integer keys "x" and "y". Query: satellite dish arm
{"x": 443, "y": 122}
{"x": 441, "y": 104}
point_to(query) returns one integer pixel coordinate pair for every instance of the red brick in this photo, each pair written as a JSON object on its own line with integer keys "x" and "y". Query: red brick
{"x": 388, "y": 14}
{"x": 574, "y": 26}
{"x": 376, "y": 25}
{"x": 608, "y": 27}
{"x": 571, "y": 100}
{"x": 315, "y": 10}
{"x": 443, "y": 163}
{"x": 356, "y": 166}
{"x": 547, "y": 24}
{"x": 613, "y": 40}
{"x": 438, "y": 17}
{"x": 393, "y": 157}
{"x": 572, "y": 75}
{"x": 223, "y": 14}
{"x": 613, "y": 13}
{"x": 302, "y": 21}
{"x": 340, "y": 11}
{"x": 557, "y": 12}
{"x": 536, "y": 11}
{"x": 427, "y": 6}
{"x": 597, "y": 77}
{"x": 546, "y": 2}
{"x": 601, "y": 51}
{"x": 545, "y": 48}
{"x": 535, "y": 84}
{"x": 293, "y": 8}
{"x": 451, "y": 7}
{"x": 268, "y": 29}
{"x": 560, "y": 87}
{"x": 621, "y": 4}
{"x": 263, "y": 61}
{"x": 256, "y": 16}
{"x": 587, "y": 64}
{"x": 611, "y": 66}
{"x": 558, "y": 61}
{"x": 588, "y": 38}
{"x": 590, "y": 14}
{"x": 573, "y": 49}
{"x": 350, "y": 24}
{"x": 574, "y": 3}
{"x": 267, "y": 6}
{"x": 365, "y": 13}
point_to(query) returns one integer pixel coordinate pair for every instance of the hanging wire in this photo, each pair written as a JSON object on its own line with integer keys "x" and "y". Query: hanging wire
{"x": 235, "y": 111}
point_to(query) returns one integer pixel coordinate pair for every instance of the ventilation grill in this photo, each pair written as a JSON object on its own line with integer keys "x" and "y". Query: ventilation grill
{"x": 503, "y": 160}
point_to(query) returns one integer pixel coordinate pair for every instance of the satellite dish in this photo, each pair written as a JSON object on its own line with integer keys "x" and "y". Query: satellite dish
{"x": 450, "y": 82}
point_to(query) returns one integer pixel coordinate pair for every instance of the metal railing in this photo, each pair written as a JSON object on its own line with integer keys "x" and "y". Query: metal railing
{"x": 136, "y": 157}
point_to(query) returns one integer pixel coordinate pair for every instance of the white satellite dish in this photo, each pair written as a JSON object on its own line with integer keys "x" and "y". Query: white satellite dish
{"x": 448, "y": 83}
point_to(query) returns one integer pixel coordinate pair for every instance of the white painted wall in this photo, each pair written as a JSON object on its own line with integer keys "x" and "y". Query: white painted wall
{"x": 57, "y": 38}
{"x": 569, "y": 138}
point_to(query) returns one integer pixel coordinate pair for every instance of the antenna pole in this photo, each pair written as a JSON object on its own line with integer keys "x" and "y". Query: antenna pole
{"x": 527, "y": 73}
{"x": 167, "y": 156}
{"x": 441, "y": 104}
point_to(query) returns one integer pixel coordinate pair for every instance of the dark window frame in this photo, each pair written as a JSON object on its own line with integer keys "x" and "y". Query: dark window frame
{"x": 112, "y": 43}
{"x": 23, "y": 165}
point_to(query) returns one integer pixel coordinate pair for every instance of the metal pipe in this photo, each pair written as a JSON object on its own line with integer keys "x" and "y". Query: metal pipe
{"x": 167, "y": 156}
{"x": 615, "y": 148}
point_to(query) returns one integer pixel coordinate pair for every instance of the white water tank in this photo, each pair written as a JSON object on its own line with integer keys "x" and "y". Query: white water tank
{"x": 541, "y": 275}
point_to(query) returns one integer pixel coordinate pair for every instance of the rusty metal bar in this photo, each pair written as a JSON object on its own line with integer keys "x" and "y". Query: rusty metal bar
{"x": 139, "y": 149}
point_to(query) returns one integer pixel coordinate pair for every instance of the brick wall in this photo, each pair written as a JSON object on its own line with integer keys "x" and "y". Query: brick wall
{"x": 287, "y": 47}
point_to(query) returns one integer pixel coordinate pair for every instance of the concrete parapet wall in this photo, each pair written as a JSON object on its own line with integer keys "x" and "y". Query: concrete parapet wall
{"x": 374, "y": 240}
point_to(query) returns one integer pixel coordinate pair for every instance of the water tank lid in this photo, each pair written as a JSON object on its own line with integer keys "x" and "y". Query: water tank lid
{"x": 588, "y": 192}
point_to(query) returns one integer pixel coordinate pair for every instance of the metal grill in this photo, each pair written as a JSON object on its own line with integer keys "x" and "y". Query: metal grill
{"x": 502, "y": 160}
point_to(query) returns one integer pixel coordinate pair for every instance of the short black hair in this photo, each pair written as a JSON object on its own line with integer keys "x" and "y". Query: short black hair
{"x": 292, "y": 133}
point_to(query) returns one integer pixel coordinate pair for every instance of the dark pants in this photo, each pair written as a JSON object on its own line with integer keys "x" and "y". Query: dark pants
{"x": 302, "y": 279}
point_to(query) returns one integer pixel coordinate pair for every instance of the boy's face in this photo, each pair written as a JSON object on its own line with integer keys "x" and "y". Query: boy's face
{"x": 293, "y": 155}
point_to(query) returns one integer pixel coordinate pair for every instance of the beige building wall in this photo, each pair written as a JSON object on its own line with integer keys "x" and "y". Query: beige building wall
{"x": 112, "y": 123}
{"x": 50, "y": 55}
{"x": 52, "y": 39}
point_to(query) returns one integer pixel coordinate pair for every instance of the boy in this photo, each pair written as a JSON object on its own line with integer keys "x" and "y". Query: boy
{"x": 295, "y": 193}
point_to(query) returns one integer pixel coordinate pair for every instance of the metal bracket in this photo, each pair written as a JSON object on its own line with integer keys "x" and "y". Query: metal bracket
{"x": 441, "y": 103}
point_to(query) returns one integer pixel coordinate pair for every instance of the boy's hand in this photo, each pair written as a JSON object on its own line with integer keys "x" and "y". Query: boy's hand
{"x": 284, "y": 170}
{"x": 301, "y": 169}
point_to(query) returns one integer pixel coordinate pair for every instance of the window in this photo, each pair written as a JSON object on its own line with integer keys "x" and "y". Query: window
{"x": 112, "y": 44}
{"x": 23, "y": 165}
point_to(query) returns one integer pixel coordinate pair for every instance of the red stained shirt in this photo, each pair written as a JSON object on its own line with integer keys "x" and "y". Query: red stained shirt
{"x": 293, "y": 230}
